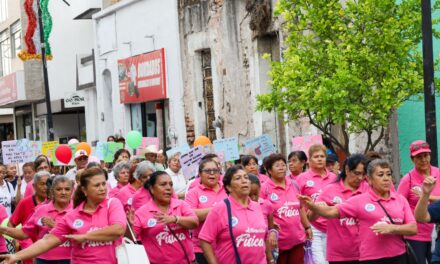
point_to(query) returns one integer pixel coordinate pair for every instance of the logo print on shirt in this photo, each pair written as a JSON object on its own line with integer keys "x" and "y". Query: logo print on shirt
{"x": 203, "y": 199}
{"x": 78, "y": 223}
{"x": 274, "y": 197}
{"x": 370, "y": 207}
{"x": 40, "y": 221}
{"x": 417, "y": 188}
{"x": 151, "y": 222}
{"x": 130, "y": 201}
{"x": 337, "y": 200}
{"x": 310, "y": 183}
{"x": 234, "y": 221}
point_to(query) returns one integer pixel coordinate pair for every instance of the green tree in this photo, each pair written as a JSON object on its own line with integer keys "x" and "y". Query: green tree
{"x": 346, "y": 63}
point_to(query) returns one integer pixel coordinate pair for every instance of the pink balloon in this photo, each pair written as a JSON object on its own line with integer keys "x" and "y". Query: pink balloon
{"x": 63, "y": 153}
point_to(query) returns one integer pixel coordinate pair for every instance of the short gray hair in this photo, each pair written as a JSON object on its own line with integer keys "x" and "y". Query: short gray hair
{"x": 377, "y": 163}
{"x": 143, "y": 167}
{"x": 60, "y": 178}
{"x": 39, "y": 175}
{"x": 174, "y": 156}
{"x": 119, "y": 167}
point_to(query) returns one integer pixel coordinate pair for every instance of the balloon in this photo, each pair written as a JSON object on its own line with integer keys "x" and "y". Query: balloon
{"x": 202, "y": 141}
{"x": 84, "y": 146}
{"x": 63, "y": 153}
{"x": 134, "y": 139}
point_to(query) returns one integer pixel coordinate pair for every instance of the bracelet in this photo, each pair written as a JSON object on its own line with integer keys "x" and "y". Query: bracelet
{"x": 306, "y": 228}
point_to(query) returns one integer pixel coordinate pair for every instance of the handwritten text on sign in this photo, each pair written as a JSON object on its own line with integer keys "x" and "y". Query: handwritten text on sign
{"x": 190, "y": 161}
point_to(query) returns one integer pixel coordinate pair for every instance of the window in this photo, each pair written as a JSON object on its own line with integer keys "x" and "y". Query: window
{"x": 3, "y": 10}
{"x": 5, "y": 53}
{"x": 16, "y": 38}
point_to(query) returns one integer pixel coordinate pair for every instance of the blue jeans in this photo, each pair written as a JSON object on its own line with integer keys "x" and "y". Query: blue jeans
{"x": 43, "y": 261}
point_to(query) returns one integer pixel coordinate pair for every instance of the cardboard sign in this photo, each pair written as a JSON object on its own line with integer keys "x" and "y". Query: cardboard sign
{"x": 180, "y": 149}
{"x": 303, "y": 143}
{"x": 190, "y": 161}
{"x": 227, "y": 148}
{"x": 16, "y": 151}
{"x": 48, "y": 149}
{"x": 260, "y": 147}
{"x": 148, "y": 141}
{"x": 106, "y": 150}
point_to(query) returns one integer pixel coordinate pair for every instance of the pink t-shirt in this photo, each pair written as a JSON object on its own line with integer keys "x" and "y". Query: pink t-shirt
{"x": 159, "y": 242}
{"x": 125, "y": 195}
{"x": 267, "y": 209}
{"x": 201, "y": 197}
{"x": 143, "y": 196}
{"x": 341, "y": 233}
{"x": 29, "y": 189}
{"x": 414, "y": 181}
{"x": 286, "y": 208}
{"x": 109, "y": 212}
{"x": 311, "y": 184}
{"x": 249, "y": 231}
{"x": 367, "y": 211}
{"x": 35, "y": 229}
{"x": 3, "y": 216}
{"x": 263, "y": 178}
{"x": 115, "y": 190}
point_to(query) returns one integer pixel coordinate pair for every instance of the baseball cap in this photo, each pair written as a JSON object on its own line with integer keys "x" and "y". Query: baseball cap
{"x": 332, "y": 158}
{"x": 80, "y": 153}
{"x": 417, "y": 147}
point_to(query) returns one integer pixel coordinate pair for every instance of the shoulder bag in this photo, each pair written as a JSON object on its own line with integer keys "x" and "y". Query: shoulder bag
{"x": 228, "y": 206}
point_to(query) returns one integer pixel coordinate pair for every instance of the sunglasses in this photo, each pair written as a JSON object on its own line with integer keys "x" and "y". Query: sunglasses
{"x": 211, "y": 171}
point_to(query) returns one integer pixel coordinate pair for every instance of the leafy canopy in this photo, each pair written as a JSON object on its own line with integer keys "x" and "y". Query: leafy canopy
{"x": 346, "y": 64}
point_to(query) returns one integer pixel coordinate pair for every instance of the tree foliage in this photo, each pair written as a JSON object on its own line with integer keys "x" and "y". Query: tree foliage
{"x": 346, "y": 63}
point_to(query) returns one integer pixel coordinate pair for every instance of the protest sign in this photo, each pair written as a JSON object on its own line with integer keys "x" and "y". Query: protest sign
{"x": 148, "y": 141}
{"x": 190, "y": 161}
{"x": 106, "y": 150}
{"x": 260, "y": 147}
{"x": 303, "y": 143}
{"x": 227, "y": 148}
{"x": 48, "y": 149}
{"x": 16, "y": 151}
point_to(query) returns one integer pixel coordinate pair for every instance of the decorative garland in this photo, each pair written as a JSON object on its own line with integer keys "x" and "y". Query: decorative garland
{"x": 32, "y": 32}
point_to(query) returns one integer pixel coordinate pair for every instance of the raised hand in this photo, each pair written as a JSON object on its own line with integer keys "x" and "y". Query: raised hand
{"x": 428, "y": 185}
{"x": 307, "y": 201}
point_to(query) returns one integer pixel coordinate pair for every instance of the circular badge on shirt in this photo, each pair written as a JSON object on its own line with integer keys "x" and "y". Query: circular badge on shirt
{"x": 130, "y": 201}
{"x": 40, "y": 221}
{"x": 274, "y": 197}
{"x": 310, "y": 183}
{"x": 78, "y": 223}
{"x": 203, "y": 199}
{"x": 337, "y": 200}
{"x": 417, "y": 188}
{"x": 234, "y": 221}
{"x": 151, "y": 222}
{"x": 370, "y": 207}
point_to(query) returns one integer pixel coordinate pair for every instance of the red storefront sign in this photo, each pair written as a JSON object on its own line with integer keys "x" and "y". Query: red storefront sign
{"x": 8, "y": 89}
{"x": 142, "y": 78}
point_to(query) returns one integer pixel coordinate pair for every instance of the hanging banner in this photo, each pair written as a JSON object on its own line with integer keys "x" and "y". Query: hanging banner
{"x": 260, "y": 147}
{"x": 142, "y": 78}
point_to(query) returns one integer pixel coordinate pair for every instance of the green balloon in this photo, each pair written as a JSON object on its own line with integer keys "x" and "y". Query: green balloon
{"x": 134, "y": 139}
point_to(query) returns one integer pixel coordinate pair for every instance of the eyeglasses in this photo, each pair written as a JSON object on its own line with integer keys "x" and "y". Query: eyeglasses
{"x": 419, "y": 146}
{"x": 211, "y": 171}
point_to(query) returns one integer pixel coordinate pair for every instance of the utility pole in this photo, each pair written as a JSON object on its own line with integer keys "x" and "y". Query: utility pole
{"x": 45, "y": 76}
{"x": 429, "y": 85}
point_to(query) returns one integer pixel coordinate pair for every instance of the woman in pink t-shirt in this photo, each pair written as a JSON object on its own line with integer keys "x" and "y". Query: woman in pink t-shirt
{"x": 45, "y": 218}
{"x": 249, "y": 230}
{"x": 411, "y": 188}
{"x": 311, "y": 183}
{"x": 163, "y": 224}
{"x": 203, "y": 198}
{"x": 281, "y": 192}
{"x": 383, "y": 217}
{"x": 297, "y": 161}
{"x": 343, "y": 233}
{"x": 93, "y": 226}
{"x": 122, "y": 176}
{"x": 250, "y": 164}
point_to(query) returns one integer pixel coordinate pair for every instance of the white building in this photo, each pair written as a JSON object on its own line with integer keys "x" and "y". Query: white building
{"x": 137, "y": 33}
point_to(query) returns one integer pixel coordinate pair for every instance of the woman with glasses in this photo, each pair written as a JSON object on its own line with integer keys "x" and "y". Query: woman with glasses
{"x": 204, "y": 197}
{"x": 411, "y": 188}
{"x": 343, "y": 233}
{"x": 294, "y": 226}
{"x": 383, "y": 217}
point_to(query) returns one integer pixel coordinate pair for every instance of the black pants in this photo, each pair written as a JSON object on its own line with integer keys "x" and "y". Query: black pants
{"x": 200, "y": 258}
{"x": 44, "y": 261}
{"x": 394, "y": 260}
{"x": 344, "y": 262}
{"x": 422, "y": 250}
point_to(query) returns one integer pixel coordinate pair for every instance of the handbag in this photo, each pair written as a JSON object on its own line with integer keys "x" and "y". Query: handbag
{"x": 131, "y": 253}
{"x": 308, "y": 256}
{"x": 228, "y": 206}
{"x": 410, "y": 254}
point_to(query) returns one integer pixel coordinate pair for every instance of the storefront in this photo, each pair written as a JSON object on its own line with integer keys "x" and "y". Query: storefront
{"x": 142, "y": 85}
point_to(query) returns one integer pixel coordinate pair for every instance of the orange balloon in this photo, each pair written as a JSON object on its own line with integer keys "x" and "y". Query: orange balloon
{"x": 84, "y": 146}
{"x": 202, "y": 141}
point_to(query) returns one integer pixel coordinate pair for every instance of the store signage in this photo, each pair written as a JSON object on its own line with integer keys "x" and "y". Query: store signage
{"x": 8, "y": 89}
{"x": 74, "y": 100}
{"x": 142, "y": 78}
